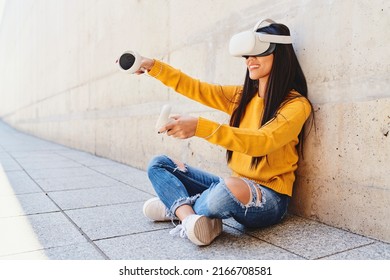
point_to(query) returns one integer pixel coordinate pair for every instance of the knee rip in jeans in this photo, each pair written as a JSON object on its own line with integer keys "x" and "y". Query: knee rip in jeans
{"x": 256, "y": 195}
{"x": 179, "y": 166}
{"x": 255, "y": 198}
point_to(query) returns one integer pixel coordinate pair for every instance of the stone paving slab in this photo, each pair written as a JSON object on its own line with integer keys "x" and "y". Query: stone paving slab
{"x": 81, "y": 251}
{"x": 85, "y": 158}
{"x": 17, "y": 236}
{"x": 92, "y": 197}
{"x": 54, "y": 229}
{"x": 374, "y": 251}
{"x": 48, "y": 164}
{"x": 21, "y": 183}
{"x": 8, "y": 163}
{"x": 49, "y": 173}
{"x": 33, "y": 203}
{"x": 94, "y": 180}
{"x": 113, "y": 220}
{"x": 131, "y": 176}
{"x": 50, "y": 230}
{"x": 311, "y": 240}
{"x": 36, "y": 157}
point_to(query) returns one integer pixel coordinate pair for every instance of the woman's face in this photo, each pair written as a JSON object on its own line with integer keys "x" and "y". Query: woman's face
{"x": 259, "y": 66}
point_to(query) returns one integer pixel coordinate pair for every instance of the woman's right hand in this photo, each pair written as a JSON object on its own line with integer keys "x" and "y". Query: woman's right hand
{"x": 146, "y": 65}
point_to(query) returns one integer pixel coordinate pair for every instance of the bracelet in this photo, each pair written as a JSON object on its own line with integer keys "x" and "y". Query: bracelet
{"x": 207, "y": 137}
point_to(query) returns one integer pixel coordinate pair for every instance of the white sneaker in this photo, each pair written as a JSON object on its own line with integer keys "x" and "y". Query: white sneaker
{"x": 155, "y": 210}
{"x": 201, "y": 230}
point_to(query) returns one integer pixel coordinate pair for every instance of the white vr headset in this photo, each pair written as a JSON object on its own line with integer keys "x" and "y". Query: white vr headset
{"x": 252, "y": 43}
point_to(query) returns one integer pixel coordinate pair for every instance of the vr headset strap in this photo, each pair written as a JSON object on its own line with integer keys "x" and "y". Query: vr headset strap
{"x": 278, "y": 39}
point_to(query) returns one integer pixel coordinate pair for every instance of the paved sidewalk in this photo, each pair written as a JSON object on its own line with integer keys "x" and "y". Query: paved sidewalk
{"x": 60, "y": 203}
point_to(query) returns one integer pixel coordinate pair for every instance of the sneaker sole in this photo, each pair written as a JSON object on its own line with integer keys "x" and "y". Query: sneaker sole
{"x": 205, "y": 231}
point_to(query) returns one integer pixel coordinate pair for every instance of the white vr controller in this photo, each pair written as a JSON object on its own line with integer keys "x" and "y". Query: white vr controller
{"x": 129, "y": 62}
{"x": 164, "y": 116}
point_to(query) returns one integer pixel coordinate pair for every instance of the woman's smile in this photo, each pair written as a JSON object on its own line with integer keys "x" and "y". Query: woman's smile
{"x": 259, "y": 66}
{"x": 253, "y": 66}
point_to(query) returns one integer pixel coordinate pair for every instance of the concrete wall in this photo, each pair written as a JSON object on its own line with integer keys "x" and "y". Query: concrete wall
{"x": 59, "y": 81}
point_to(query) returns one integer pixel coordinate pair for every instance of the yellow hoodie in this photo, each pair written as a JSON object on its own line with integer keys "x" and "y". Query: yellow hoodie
{"x": 277, "y": 139}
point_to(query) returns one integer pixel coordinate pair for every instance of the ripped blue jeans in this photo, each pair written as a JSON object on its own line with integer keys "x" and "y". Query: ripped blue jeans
{"x": 208, "y": 195}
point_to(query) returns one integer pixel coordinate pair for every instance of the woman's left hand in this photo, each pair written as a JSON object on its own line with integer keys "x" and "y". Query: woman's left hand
{"x": 181, "y": 127}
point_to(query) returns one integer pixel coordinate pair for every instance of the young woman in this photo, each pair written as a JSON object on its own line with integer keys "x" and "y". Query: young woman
{"x": 262, "y": 140}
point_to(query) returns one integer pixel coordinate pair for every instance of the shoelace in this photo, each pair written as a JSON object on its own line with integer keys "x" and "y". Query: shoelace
{"x": 179, "y": 230}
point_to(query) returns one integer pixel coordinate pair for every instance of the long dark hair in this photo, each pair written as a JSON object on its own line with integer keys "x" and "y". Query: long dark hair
{"x": 286, "y": 75}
